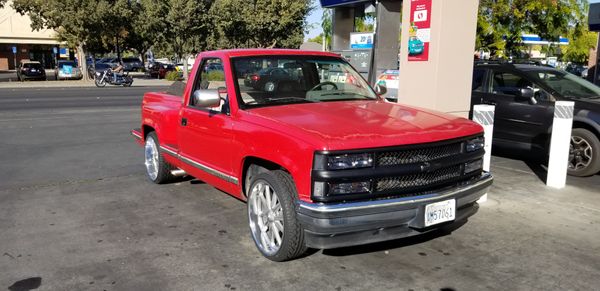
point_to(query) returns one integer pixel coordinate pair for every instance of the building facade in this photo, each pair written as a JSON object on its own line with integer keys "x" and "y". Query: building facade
{"x": 19, "y": 42}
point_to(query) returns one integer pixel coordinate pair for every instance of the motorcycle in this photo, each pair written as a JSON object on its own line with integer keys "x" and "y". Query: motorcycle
{"x": 107, "y": 76}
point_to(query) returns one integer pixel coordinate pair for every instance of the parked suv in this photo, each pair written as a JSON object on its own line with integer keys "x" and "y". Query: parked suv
{"x": 30, "y": 70}
{"x": 133, "y": 65}
{"x": 524, "y": 96}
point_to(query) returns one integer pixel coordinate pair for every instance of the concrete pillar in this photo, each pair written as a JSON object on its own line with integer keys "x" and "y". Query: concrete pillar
{"x": 388, "y": 26}
{"x": 444, "y": 81}
{"x": 343, "y": 25}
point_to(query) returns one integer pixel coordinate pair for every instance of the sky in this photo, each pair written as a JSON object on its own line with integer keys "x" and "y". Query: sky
{"x": 314, "y": 19}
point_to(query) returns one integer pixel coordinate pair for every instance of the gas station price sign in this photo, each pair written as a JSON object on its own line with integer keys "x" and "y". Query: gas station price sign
{"x": 419, "y": 30}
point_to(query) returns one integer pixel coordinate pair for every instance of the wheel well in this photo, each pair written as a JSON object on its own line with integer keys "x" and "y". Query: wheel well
{"x": 146, "y": 129}
{"x": 579, "y": 124}
{"x": 253, "y": 166}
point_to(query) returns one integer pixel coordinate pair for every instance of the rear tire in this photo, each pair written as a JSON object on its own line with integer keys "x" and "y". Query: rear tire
{"x": 157, "y": 169}
{"x": 274, "y": 227}
{"x": 584, "y": 155}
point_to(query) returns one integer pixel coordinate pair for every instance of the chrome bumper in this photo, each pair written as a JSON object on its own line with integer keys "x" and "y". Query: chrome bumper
{"x": 355, "y": 223}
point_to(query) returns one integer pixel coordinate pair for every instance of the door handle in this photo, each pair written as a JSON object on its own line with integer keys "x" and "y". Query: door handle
{"x": 183, "y": 121}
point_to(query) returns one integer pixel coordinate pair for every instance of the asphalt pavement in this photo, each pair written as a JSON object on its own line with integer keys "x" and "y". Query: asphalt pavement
{"x": 77, "y": 213}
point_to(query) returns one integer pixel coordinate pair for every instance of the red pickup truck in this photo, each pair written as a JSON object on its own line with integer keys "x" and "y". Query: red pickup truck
{"x": 320, "y": 158}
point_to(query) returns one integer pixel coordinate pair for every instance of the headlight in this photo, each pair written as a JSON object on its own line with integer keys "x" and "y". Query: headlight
{"x": 475, "y": 144}
{"x": 97, "y": 73}
{"x": 349, "y": 188}
{"x": 349, "y": 161}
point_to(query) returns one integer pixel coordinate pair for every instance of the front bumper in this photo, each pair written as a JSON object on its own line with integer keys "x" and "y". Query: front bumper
{"x": 355, "y": 223}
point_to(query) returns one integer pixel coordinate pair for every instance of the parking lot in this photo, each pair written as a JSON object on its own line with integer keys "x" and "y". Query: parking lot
{"x": 77, "y": 213}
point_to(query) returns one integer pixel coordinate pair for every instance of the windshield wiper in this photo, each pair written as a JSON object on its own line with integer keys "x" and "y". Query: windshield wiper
{"x": 362, "y": 97}
{"x": 287, "y": 99}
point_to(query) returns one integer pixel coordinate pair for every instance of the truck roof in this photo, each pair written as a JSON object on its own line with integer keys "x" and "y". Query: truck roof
{"x": 262, "y": 52}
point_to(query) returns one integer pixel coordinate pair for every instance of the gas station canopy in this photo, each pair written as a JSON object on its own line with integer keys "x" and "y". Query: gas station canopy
{"x": 337, "y": 3}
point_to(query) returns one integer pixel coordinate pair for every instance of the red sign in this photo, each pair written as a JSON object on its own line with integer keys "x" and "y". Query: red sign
{"x": 419, "y": 32}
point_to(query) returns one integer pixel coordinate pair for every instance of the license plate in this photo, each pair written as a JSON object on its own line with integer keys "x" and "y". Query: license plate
{"x": 440, "y": 212}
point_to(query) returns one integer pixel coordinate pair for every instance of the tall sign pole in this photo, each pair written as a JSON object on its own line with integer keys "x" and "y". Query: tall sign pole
{"x": 14, "y": 50}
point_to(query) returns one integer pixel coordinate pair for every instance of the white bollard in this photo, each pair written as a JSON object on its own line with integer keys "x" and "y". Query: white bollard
{"x": 560, "y": 143}
{"x": 484, "y": 115}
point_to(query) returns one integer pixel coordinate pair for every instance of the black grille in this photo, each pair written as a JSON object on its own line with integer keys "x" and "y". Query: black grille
{"x": 418, "y": 155}
{"x": 420, "y": 180}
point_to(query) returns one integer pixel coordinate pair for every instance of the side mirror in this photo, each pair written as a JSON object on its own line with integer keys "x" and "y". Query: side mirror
{"x": 527, "y": 94}
{"x": 206, "y": 98}
{"x": 380, "y": 89}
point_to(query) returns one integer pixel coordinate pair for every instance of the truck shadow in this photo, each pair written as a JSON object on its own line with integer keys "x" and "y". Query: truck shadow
{"x": 394, "y": 244}
{"x": 26, "y": 284}
{"x": 537, "y": 161}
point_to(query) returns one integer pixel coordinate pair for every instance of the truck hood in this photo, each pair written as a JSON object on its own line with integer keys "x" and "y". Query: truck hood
{"x": 342, "y": 125}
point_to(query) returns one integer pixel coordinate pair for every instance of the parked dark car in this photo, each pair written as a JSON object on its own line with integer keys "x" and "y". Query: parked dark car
{"x": 30, "y": 70}
{"x": 577, "y": 70}
{"x": 100, "y": 67}
{"x": 269, "y": 79}
{"x": 133, "y": 65}
{"x": 159, "y": 70}
{"x": 110, "y": 61}
{"x": 524, "y": 97}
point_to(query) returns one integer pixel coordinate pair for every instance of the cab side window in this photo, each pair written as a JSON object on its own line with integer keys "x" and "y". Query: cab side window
{"x": 508, "y": 83}
{"x": 211, "y": 76}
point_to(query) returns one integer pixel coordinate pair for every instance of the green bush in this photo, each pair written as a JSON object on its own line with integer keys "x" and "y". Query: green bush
{"x": 214, "y": 76}
{"x": 172, "y": 76}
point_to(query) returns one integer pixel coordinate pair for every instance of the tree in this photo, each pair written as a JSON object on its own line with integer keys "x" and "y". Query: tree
{"x": 258, "y": 23}
{"x": 147, "y": 25}
{"x": 364, "y": 24}
{"x": 578, "y": 50}
{"x": 327, "y": 26}
{"x": 80, "y": 23}
{"x": 187, "y": 30}
{"x": 501, "y": 23}
{"x": 317, "y": 39}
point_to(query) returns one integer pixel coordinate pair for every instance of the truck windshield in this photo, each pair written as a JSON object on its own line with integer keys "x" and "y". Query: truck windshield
{"x": 278, "y": 80}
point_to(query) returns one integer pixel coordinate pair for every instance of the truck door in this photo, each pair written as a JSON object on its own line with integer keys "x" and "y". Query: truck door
{"x": 205, "y": 134}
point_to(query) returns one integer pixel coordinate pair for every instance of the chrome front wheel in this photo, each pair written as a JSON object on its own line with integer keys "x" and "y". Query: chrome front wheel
{"x": 274, "y": 226}
{"x": 265, "y": 217}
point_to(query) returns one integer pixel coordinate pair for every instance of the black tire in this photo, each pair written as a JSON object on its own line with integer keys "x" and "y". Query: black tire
{"x": 292, "y": 242}
{"x": 584, "y": 137}
{"x": 128, "y": 83}
{"x": 163, "y": 173}
{"x": 99, "y": 83}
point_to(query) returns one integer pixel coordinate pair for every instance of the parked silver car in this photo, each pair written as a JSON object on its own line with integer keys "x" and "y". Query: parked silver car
{"x": 67, "y": 70}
